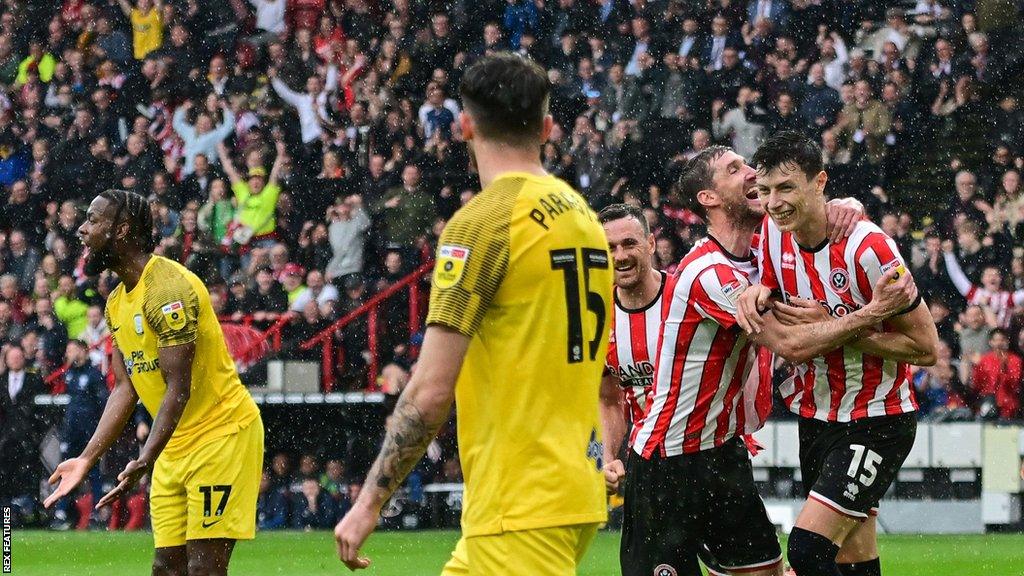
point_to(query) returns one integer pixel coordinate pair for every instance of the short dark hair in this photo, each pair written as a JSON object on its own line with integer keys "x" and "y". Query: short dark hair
{"x": 790, "y": 149}
{"x": 507, "y": 97}
{"x": 134, "y": 209}
{"x": 995, "y": 331}
{"x": 698, "y": 175}
{"x": 619, "y": 211}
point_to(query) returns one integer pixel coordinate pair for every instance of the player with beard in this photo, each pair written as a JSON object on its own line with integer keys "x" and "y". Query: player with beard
{"x": 853, "y": 394}
{"x": 205, "y": 448}
{"x": 690, "y": 480}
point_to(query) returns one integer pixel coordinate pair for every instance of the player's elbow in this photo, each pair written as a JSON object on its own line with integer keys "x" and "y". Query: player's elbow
{"x": 926, "y": 357}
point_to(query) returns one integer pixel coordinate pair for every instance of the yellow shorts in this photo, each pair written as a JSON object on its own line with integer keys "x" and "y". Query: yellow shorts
{"x": 553, "y": 551}
{"x": 210, "y": 492}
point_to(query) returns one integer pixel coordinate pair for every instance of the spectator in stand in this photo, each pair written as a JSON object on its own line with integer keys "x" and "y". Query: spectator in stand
{"x": 863, "y": 125}
{"x": 938, "y": 388}
{"x": 291, "y": 282}
{"x": 256, "y": 199}
{"x": 87, "y": 395}
{"x": 22, "y": 426}
{"x": 95, "y": 336}
{"x": 270, "y": 21}
{"x": 53, "y": 335}
{"x": 311, "y": 105}
{"x": 973, "y": 332}
{"x": 272, "y": 502}
{"x": 744, "y": 125}
{"x": 22, "y": 213}
{"x": 967, "y": 202}
{"x": 333, "y": 481}
{"x": 69, "y": 308}
{"x": 312, "y": 508}
{"x": 324, "y": 295}
{"x": 268, "y": 301}
{"x": 203, "y": 137}
{"x": 999, "y": 304}
{"x": 147, "y": 25}
{"x": 348, "y": 223}
{"x": 406, "y": 212}
{"x": 996, "y": 379}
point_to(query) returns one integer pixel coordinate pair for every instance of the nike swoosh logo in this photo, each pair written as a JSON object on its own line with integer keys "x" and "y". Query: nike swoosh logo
{"x": 114, "y": 328}
{"x": 205, "y": 525}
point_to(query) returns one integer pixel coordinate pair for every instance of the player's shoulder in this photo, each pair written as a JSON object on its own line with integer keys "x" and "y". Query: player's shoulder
{"x": 164, "y": 272}
{"x": 866, "y": 236}
{"x": 706, "y": 258}
{"x": 166, "y": 280}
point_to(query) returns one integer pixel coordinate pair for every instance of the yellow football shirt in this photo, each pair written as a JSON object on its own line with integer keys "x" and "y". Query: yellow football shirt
{"x": 147, "y": 31}
{"x": 523, "y": 270}
{"x": 171, "y": 306}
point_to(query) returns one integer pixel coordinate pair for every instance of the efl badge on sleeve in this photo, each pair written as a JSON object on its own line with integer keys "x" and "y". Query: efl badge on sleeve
{"x": 138, "y": 324}
{"x": 732, "y": 290}
{"x": 174, "y": 314}
{"x": 900, "y": 269}
{"x": 451, "y": 263}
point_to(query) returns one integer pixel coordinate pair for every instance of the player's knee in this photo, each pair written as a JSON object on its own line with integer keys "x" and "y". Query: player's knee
{"x": 167, "y": 566}
{"x": 199, "y": 565}
{"x": 812, "y": 554}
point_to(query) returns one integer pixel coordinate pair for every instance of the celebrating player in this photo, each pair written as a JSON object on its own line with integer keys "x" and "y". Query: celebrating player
{"x": 855, "y": 403}
{"x": 633, "y": 342}
{"x": 518, "y": 319}
{"x": 205, "y": 449}
{"x": 690, "y": 481}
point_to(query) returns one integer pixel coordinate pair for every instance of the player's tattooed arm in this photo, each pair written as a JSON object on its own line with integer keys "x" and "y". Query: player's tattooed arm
{"x": 422, "y": 409}
{"x": 407, "y": 439}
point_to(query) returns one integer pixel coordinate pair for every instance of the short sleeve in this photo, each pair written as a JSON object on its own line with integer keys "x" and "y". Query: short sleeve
{"x": 171, "y": 307}
{"x": 716, "y": 291}
{"x": 472, "y": 258}
{"x": 876, "y": 255}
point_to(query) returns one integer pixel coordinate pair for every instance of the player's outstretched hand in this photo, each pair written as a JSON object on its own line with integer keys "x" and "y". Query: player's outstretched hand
{"x": 126, "y": 481}
{"x": 893, "y": 292}
{"x": 70, "y": 473}
{"x": 614, "y": 472}
{"x": 749, "y": 308}
{"x": 841, "y": 217}
{"x": 351, "y": 533}
{"x": 800, "y": 311}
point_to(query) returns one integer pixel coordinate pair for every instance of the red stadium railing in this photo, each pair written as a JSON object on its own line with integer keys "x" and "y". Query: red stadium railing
{"x": 325, "y": 337}
{"x": 248, "y": 352}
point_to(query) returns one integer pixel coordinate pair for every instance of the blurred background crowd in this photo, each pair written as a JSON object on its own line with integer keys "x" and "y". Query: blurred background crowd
{"x": 301, "y": 156}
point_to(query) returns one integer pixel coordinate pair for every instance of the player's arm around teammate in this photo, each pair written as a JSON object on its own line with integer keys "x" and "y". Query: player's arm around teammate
{"x": 422, "y": 409}
{"x": 784, "y": 328}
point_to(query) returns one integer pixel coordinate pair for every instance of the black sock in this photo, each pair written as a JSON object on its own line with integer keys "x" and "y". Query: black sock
{"x": 866, "y": 568}
{"x": 811, "y": 554}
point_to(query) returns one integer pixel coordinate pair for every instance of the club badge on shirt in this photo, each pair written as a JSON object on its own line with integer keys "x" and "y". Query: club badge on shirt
{"x": 174, "y": 314}
{"x": 451, "y": 263}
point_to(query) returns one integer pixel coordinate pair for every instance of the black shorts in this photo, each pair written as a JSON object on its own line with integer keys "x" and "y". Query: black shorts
{"x": 848, "y": 466}
{"x": 676, "y": 506}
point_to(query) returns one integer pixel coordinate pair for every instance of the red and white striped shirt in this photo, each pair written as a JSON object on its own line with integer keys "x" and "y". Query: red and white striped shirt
{"x": 1003, "y": 303}
{"x": 710, "y": 384}
{"x": 845, "y": 384}
{"x": 631, "y": 352}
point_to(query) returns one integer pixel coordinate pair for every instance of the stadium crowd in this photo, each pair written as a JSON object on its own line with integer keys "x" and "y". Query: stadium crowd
{"x": 302, "y": 155}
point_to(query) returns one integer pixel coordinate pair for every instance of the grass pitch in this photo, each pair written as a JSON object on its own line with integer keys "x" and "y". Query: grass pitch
{"x": 423, "y": 553}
